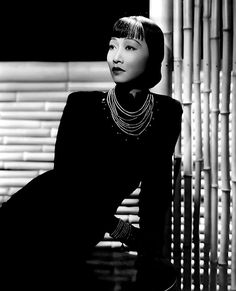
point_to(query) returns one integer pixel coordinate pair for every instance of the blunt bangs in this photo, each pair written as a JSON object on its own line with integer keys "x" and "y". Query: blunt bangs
{"x": 128, "y": 28}
{"x": 142, "y": 28}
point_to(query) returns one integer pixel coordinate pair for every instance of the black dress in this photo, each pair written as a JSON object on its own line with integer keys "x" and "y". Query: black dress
{"x": 49, "y": 227}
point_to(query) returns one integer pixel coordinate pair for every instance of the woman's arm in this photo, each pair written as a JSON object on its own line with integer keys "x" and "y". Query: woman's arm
{"x": 156, "y": 189}
{"x": 66, "y": 134}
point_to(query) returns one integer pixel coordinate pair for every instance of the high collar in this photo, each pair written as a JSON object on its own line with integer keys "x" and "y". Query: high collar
{"x": 127, "y": 100}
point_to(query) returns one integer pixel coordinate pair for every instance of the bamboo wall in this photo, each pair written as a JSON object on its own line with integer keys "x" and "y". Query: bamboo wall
{"x": 201, "y": 45}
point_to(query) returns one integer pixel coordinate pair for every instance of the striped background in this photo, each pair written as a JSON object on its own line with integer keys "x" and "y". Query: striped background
{"x": 32, "y": 98}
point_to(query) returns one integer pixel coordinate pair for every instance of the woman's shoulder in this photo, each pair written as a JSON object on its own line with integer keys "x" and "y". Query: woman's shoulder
{"x": 85, "y": 97}
{"x": 168, "y": 103}
{"x": 81, "y": 103}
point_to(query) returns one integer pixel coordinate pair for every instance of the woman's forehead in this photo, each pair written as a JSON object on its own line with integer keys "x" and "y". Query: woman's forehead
{"x": 124, "y": 29}
{"x": 137, "y": 40}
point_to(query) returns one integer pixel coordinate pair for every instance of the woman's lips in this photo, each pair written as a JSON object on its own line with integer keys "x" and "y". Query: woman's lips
{"x": 117, "y": 69}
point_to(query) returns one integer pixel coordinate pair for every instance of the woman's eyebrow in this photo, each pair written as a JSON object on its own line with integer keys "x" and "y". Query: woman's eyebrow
{"x": 130, "y": 38}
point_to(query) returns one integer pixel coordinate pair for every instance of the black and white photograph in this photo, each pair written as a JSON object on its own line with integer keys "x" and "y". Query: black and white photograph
{"x": 118, "y": 145}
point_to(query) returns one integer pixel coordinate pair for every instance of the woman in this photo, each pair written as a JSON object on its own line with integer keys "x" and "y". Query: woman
{"x": 107, "y": 143}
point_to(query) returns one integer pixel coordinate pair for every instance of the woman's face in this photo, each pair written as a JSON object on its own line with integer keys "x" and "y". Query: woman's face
{"x": 127, "y": 59}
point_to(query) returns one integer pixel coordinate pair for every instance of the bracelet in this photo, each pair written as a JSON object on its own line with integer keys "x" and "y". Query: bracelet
{"x": 122, "y": 230}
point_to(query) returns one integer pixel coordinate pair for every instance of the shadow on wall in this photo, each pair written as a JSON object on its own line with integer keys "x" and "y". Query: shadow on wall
{"x": 47, "y": 32}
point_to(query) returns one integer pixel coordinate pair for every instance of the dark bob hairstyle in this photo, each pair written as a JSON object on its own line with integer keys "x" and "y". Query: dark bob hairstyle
{"x": 140, "y": 27}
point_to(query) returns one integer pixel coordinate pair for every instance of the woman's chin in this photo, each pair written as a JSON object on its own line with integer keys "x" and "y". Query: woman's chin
{"x": 130, "y": 85}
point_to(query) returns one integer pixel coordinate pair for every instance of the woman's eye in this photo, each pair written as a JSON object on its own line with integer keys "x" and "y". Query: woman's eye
{"x": 130, "y": 48}
{"x": 111, "y": 46}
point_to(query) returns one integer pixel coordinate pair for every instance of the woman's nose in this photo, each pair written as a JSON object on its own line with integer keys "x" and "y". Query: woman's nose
{"x": 118, "y": 57}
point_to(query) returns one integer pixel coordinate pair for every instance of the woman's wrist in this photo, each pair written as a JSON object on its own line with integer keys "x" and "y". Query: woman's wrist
{"x": 126, "y": 233}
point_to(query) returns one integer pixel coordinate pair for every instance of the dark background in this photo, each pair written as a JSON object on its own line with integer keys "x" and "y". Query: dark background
{"x": 64, "y": 31}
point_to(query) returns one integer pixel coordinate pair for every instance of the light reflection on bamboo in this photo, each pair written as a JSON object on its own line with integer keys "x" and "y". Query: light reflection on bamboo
{"x": 206, "y": 139}
{"x": 215, "y": 87}
{"x": 233, "y": 158}
{"x": 225, "y": 189}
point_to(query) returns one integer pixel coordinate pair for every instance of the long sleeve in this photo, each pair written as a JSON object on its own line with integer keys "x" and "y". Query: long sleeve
{"x": 78, "y": 132}
{"x": 156, "y": 188}
{"x": 66, "y": 136}
{"x": 74, "y": 148}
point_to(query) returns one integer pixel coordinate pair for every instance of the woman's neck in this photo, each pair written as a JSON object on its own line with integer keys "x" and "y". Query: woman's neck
{"x": 127, "y": 89}
{"x": 134, "y": 92}
{"x": 130, "y": 98}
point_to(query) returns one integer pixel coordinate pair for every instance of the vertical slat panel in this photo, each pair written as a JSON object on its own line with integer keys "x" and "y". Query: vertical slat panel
{"x": 177, "y": 80}
{"x": 215, "y": 88}
{"x": 233, "y": 159}
{"x": 225, "y": 169}
{"x": 161, "y": 12}
{"x": 206, "y": 141}
{"x": 198, "y": 139}
{"x": 165, "y": 21}
{"x": 187, "y": 132}
{"x": 167, "y": 86}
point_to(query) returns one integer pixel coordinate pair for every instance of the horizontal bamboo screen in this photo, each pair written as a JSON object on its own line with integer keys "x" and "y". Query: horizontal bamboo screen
{"x": 32, "y": 98}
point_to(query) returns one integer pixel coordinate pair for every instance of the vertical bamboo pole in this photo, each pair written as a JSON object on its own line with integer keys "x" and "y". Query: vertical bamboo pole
{"x": 177, "y": 55}
{"x": 198, "y": 139}
{"x": 225, "y": 176}
{"x": 187, "y": 131}
{"x": 233, "y": 158}
{"x": 215, "y": 87}
{"x": 165, "y": 21}
{"x": 161, "y": 11}
{"x": 167, "y": 89}
{"x": 206, "y": 140}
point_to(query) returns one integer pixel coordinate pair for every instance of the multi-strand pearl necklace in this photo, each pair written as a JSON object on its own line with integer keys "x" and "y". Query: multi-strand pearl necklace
{"x": 130, "y": 122}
